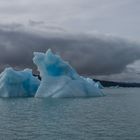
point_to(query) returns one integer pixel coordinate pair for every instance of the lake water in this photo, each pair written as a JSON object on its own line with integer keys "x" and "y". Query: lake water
{"x": 113, "y": 117}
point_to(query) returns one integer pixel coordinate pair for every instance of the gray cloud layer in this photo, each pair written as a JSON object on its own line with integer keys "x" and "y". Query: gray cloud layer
{"x": 117, "y": 17}
{"x": 89, "y": 54}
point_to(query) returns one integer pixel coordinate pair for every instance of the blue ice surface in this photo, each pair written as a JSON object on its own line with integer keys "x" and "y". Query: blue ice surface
{"x": 18, "y": 83}
{"x": 60, "y": 80}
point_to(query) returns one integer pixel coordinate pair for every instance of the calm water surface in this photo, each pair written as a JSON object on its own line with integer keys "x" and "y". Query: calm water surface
{"x": 113, "y": 117}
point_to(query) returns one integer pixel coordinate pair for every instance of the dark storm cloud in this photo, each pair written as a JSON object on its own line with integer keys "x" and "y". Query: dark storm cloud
{"x": 87, "y": 53}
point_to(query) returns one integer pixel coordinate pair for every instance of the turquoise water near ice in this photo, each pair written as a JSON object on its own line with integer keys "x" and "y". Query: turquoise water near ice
{"x": 113, "y": 117}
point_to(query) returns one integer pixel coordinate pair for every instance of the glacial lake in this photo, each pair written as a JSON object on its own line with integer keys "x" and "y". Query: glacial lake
{"x": 113, "y": 117}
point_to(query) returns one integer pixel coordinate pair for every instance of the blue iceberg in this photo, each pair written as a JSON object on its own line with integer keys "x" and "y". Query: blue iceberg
{"x": 60, "y": 80}
{"x": 18, "y": 83}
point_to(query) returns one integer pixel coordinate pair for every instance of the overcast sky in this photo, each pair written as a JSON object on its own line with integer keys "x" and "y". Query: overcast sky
{"x": 115, "y": 17}
{"x": 105, "y": 32}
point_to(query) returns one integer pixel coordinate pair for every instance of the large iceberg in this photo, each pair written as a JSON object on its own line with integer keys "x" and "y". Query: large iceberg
{"x": 18, "y": 83}
{"x": 59, "y": 79}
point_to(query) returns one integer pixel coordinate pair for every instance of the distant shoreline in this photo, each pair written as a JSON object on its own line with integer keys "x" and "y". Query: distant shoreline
{"x": 105, "y": 83}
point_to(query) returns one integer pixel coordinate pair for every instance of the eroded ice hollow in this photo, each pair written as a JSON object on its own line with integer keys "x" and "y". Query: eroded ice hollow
{"x": 18, "y": 83}
{"x": 59, "y": 79}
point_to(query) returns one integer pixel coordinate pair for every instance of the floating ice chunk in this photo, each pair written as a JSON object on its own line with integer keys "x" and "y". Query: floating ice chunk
{"x": 18, "y": 83}
{"x": 99, "y": 85}
{"x": 59, "y": 79}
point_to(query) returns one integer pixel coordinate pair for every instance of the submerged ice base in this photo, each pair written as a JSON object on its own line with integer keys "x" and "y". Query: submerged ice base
{"x": 18, "y": 83}
{"x": 59, "y": 79}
